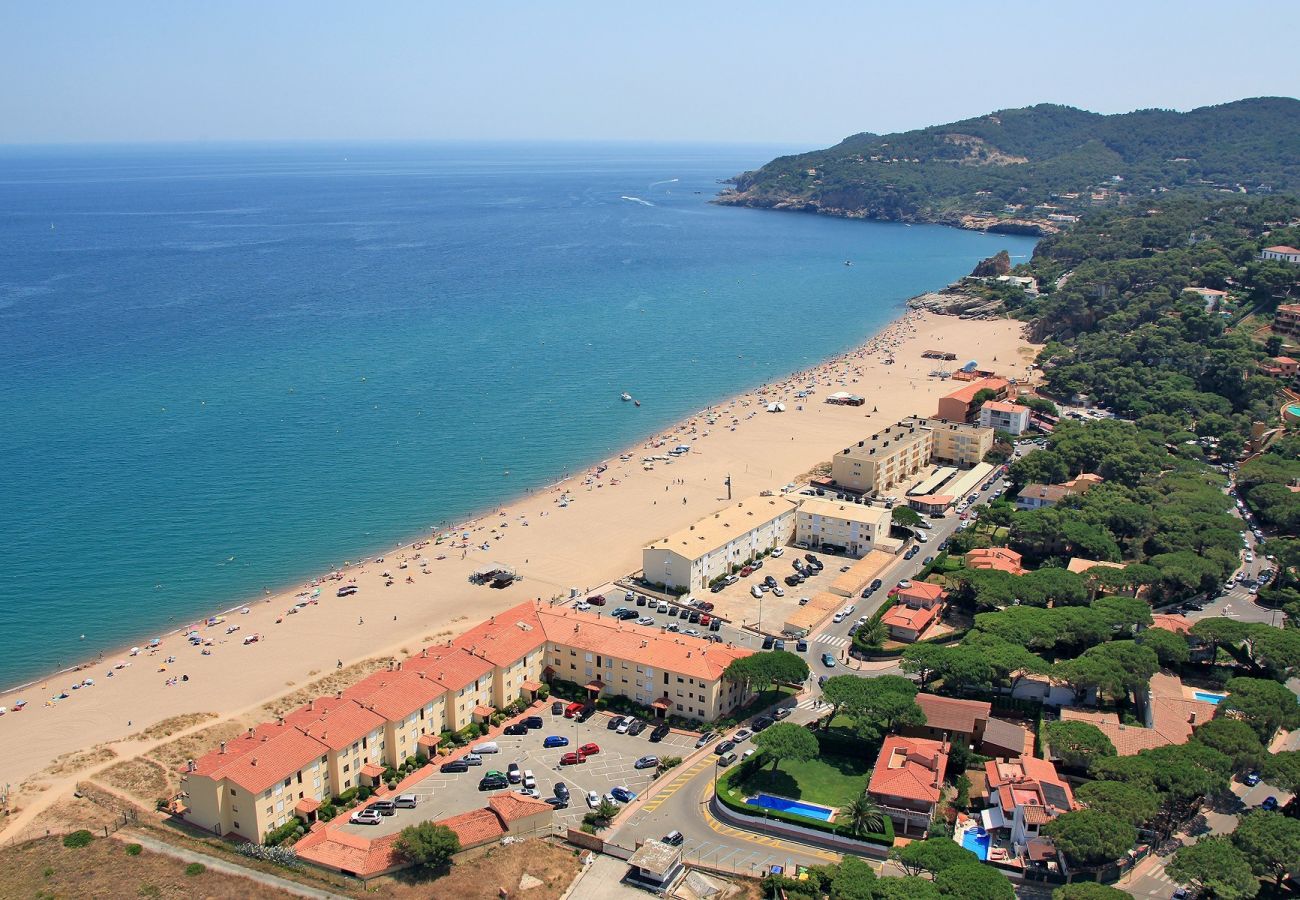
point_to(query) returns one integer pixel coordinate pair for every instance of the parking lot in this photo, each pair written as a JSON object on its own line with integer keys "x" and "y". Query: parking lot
{"x": 737, "y": 604}
{"x": 447, "y": 794}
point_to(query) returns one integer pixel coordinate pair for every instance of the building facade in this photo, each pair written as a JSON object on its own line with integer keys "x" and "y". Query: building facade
{"x": 1281, "y": 254}
{"x": 959, "y": 406}
{"x": 853, "y": 527}
{"x": 890, "y": 460}
{"x": 1003, "y": 416}
{"x": 692, "y": 558}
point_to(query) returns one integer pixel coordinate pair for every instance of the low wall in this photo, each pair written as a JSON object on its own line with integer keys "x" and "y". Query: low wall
{"x": 822, "y": 839}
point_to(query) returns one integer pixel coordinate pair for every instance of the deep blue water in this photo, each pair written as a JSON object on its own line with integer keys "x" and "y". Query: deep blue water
{"x": 229, "y": 368}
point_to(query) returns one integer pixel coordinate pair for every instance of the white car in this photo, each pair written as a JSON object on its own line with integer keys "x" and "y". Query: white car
{"x": 756, "y": 591}
{"x": 839, "y": 617}
{"x": 593, "y": 799}
{"x": 776, "y": 554}
{"x": 582, "y": 606}
{"x": 530, "y": 782}
{"x": 905, "y": 584}
{"x": 624, "y": 725}
{"x": 778, "y": 592}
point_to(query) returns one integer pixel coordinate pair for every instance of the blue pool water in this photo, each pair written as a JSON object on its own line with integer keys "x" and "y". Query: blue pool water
{"x": 976, "y": 840}
{"x": 1207, "y": 697}
{"x": 781, "y": 804}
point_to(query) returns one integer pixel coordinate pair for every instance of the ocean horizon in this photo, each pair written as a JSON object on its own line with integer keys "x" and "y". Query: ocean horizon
{"x": 232, "y": 367}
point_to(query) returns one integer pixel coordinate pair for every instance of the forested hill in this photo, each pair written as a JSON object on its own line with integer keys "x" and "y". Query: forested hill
{"x": 1032, "y": 169}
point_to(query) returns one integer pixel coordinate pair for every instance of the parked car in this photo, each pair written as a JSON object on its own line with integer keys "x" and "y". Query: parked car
{"x": 456, "y": 765}
{"x": 622, "y": 794}
{"x": 614, "y": 722}
{"x": 741, "y": 736}
{"x": 514, "y": 774}
{"x": 636, "y": 727}
{"x": 778, "y": 644}
{"x": 724, "y": 747}
{"x": 1251, "y": 778}
{"x": 674, "y": 838}
{"x": 597, "y": 600}
{"x": 530, "y": 781}
{"x": 493, "y": 783}
{"x": 705, "y": 738}
{"x": 589, "y": 749}
{"x": 661, "y": 731}
{"x": 517, "y": 728}
{"x": 532, "y": 722}
{"x": 782, "y": 712}
{"x": 557, "y": 802}
{"x": 572, "y": 759}
{"x": 801, "y": 645}
{"x": 555, "y": 740}
{"x": 767, "y": 642}
{"x": 383, "y": 807}
{"x": 557, "y": 708}
{"x": 625, "y": 726}
{"x": 487, "y": 747}
{"x": 756, "y": 591}
{"x": 365, "y": 817}
{"x": 762, "y": 722}
{"x": 561, "y": 790}
{"x": 646, "y": 762}
{"x": 593, "y": 799}
{"x": 1269, "y": 804}
{"x": 406, "y": 801}
{"x": 792, "y": 580}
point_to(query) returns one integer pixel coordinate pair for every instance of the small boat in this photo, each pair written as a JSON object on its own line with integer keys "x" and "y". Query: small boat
{"x": 636, "y": 402}
{"x": 848, "y": 262}
{"x": 625, "y": 396}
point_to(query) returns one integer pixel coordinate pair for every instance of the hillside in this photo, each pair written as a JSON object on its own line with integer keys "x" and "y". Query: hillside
{"x": 1035, "y": 169}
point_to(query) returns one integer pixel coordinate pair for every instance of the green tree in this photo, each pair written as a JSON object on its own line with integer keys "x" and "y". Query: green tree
{"x": 1264, "y": 705}
{"x": 1089, "y": 838}
{"x": 862, "y": 815}
{"x": 1274, "y": 651}
{"x": 1126, "y": 802}
{"x": 909, "y": 888}
{"x": 923, "y": 660}
{"x": 1216, "y": 867}
{"x": 1171, "y": 649}
{"x": 888, "y": 703}
{"x": 1077, "y": 744}
{"x": 428, "y": 845}
{"x": 1089, "y": 890}
{"x": 854, "y": 880}
{"x": 1282, "y": 770}
{"x": 1270, "y": 842}
{"x": 932, "y": 855}
{"x": 905, "y": 516}
{"x": 787, "y": 741}
{"x": 974, "y": 881}
{"x": 844, "y": 693}
{"x": 1235, "y": 739}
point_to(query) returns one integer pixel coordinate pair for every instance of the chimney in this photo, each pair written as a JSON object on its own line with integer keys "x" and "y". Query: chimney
{"x": 250, "y": 732}
{"x": 399, "y": 665}
{"x": 280, "y": 721}
{"x": 223, "y": 746}
{"x": 253, "y": 761}
{"x": 311, "y": 704}
{"x": 1192, "y": 720}
{"x": 424, "y": 653}
{"x": 265, "y": 738}
{"x": 190, "y": 766}
{"x": 338, "y": 695}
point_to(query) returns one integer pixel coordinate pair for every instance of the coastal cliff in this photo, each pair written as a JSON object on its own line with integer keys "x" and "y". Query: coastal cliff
{"x": 1034, "y": 170}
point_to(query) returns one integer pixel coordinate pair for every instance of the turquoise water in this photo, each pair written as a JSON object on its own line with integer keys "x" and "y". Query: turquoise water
{"x": 1208, "y": 697}
{"x": 781, "y": 804}
{"x": 232, "y": 367}
{"x": 976, "y": 840}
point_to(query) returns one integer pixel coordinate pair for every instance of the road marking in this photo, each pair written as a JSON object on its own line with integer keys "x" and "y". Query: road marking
{"x": 678, "y": 781}
{"x": 831, "y": 639}
{"x": 749, "y": 837}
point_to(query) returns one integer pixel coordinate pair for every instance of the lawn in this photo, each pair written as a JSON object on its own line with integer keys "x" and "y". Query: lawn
{"x": 828, "y": 780}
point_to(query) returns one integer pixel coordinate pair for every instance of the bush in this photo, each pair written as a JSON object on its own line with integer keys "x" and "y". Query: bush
{"x": 280, "y": 856}
{"x": 193, "y": 870}
{"x": 346, "y": 797}
{"x": 668, "y": 762}
{"x": 544, "y": 692}
{"x": 80, "y": 838}
{"x": 364, "y": 792}
{"x": 326, "y": 812}
{"x": 134, "y": 849}
{"x": 289, "y": 829}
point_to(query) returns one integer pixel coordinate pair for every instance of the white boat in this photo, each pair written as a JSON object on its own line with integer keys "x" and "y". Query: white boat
{"x": 625, "y": 396}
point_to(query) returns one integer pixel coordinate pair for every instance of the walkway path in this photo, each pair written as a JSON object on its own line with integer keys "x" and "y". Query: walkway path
{"x": 229, "y": 868}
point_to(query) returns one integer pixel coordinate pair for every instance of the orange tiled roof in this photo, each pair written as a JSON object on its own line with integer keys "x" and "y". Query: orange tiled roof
{"x": 967, "y": 393}
{"x": 372, "y": 770}
{"x": 1173, "y": 716}
{"x": 254, "y": 764}
{"x": 334, "y": 722}
{"x": 999, "y": 558}
{"x": 1169, "y": 622}
{"x": 506, "y": 637}
{"x": 922, "y": 591}
{"x": 511, "y": 807}
{"x": 949, "y": 714}
{"x": 910, "y": 768}
{"x": 679, "y": 653}
{"x": 1282, "y": 248}
{"x": 334, "y": 848}
{"x": 478, "y": 826}
{"x": 903, "y": 616}
{"x": 1005, "y": 406}
{"x": 454, "y": 667}
{"x": 396, "y": 694}
{"x": 1079, "y": 564}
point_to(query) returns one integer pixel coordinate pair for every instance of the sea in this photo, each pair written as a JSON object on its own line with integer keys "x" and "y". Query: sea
{"x": 225, "y": 368}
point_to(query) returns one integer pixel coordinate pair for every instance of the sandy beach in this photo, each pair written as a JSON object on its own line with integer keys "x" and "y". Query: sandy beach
{"x": 581, "y": 532}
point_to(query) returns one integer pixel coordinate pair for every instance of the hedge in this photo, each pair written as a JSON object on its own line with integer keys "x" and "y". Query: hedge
{"x": 289, "y": 829}
{"x": 885, "y": 838}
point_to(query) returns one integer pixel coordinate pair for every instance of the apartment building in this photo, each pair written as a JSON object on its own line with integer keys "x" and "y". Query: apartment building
{"x": 855, "y": 528}
{"x": 1003, "y": 416}
{"x": 1287, "y": 320}
{"x": 959, "y": 406}
{"x": 693, "y": 557}
{"x": 260, "y": 780}
{"x": 957, "y": 444}
{"x": 888, "y": 460}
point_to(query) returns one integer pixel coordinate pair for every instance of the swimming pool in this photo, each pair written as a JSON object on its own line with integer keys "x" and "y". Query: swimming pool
{"x": 1208, "y": 697}
{"x": 781, "y": 804}
{"x": 976, "y": 840}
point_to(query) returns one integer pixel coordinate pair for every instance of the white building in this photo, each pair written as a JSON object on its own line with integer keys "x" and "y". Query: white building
{"x": 1002, "y": 416}
{"x": 1281, "y": 254}
{"x": 853, "y": 526}
{"x": 693, "y": 557}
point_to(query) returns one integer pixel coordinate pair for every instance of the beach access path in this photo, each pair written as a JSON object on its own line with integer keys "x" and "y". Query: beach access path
{"x": 596, "y": 536}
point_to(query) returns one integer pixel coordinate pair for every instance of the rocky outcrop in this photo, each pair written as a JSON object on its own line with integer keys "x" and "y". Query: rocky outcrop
{"x": 997, "y": 264}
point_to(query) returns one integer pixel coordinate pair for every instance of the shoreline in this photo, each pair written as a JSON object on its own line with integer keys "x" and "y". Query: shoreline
{"x": 593, "y": 538}
{"x": 901, "y": 312}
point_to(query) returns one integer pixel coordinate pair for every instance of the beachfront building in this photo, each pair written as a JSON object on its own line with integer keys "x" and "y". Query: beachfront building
{"x": 853, "y": 529}
{"x": 1024, "y": 795}
{"x": 1003, "y": 416}
{"x": 907, "y": 781}
{"x": 257, "y": 782}
{"x": 690, "y": 559}
{"x": 895, "y": 457}
{"x": 960, "y": 406}
{"x": 1281, "y": 254}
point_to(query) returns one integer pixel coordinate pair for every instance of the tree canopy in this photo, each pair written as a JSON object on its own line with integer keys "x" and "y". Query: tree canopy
{"x": 786, "y": 741}
{"x": 1089, "y": 837}
{"x": 1214, "y": 865}
{"x": 428, "y": 845}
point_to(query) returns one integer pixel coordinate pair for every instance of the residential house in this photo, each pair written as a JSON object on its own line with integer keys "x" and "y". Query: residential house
{"x": 915, "y": 609}
{"x": 1200, "y": 650}
{"x": 1038, "y": 496}
{"x": 1281, "y": 253}
{"x": 1024, "y": 795}
{"x": 1280, "y": 367}
{"x": 1169, "y": 714}
{"x": 1286, "y": 321}
{"x": 970, "y": 724}
{"x": 907, "y": 781}
{"x": 1000, "y": 559}
{"x": 959, "y": 406}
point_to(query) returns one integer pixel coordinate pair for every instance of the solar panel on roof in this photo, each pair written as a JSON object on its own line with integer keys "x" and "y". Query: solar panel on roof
{"x": 1055, "y": 795}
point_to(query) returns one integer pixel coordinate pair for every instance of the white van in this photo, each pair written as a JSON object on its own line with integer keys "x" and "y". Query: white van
{"x": 489, "y": 747}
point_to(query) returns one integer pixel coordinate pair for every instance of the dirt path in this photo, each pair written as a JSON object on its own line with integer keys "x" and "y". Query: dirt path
{"x": 229, "y": 868}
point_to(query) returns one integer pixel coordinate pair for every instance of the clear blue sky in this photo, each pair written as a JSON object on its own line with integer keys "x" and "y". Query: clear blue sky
{"x": 802, "y": 73}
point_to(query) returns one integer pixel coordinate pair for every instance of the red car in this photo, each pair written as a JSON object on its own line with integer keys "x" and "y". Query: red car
{"x": 598, "y": 600}
{"x": 747, "y": 571}
{"x": 572, "y": 759}
{"x": 589, "y": 749}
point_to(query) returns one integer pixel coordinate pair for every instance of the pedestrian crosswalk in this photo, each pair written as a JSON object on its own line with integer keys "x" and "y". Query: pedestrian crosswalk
{"x": 833, "y": 640}
{"x": 808, "y": 703}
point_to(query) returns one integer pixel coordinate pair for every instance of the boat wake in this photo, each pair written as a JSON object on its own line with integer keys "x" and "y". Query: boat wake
{"x": 668, "y": 181}
{"x": 638, "y": 200}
